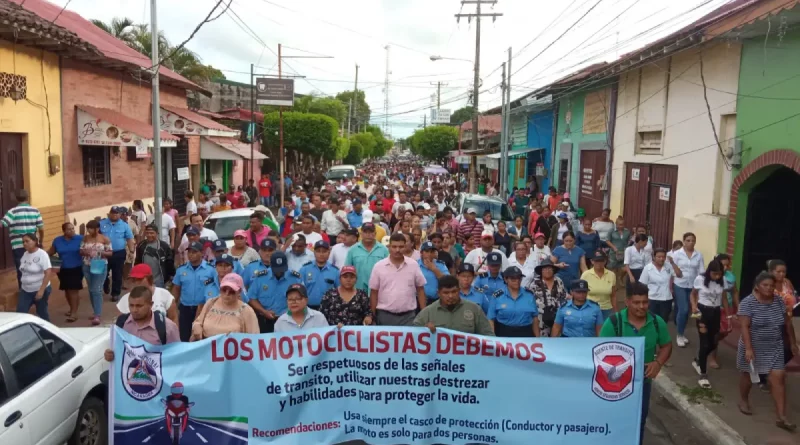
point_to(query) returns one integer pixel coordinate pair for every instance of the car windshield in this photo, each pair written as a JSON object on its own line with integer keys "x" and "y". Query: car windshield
{"x": 224, "y": 227}
{"x": 500, "y": 211}
{"x": 340, "y": 174}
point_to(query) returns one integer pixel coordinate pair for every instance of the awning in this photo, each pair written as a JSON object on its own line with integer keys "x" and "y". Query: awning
{"x": 513, "y": 153}
{"x": 101, "y": 126}
{"x": 227, "y": 149}
{"x": 178, "y": 120}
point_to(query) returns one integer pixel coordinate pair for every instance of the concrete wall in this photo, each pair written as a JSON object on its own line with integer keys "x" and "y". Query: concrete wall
{"x": 688, "y": 138}
{"x": 41, "y": 136}
{"x": 89, "y": 85}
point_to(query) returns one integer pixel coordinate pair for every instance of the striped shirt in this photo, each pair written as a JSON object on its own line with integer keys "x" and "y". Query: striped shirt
{"x": 20, "y": 220}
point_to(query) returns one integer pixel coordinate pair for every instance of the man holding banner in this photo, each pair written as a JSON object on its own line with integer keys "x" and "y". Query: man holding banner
{"x": 449, "y": 311}
{"x": 637, "y": 321}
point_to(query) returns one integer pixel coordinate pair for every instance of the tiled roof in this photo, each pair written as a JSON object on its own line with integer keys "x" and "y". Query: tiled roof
{"x": 240, "y": 148}
{"x": 197, "y": 118}
{"x": 486, "y": 124}
{"x": 53, "y": 37}
{"x": 110, "y": 46}
{"x": 211, "y": 114}
{"x": 241, "y": 114}
{"x": 136, "y": 127}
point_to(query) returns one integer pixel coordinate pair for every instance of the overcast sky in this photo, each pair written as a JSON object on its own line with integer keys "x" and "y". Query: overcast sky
{"x": 356, "y": 32}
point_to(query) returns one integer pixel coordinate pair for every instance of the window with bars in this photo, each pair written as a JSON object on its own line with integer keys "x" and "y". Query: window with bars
{"x": 96, "y": 166}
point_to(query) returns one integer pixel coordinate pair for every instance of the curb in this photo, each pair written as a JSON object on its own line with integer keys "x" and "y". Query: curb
{"x": 714, "y": 428}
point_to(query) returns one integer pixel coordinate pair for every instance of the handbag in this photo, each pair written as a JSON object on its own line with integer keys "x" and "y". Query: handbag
{"x": 97, "y": 266}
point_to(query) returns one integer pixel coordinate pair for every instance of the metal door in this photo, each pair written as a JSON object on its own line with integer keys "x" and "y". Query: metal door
{"x": 11, "y": 180}
{"x": 637, "y": 188}
{"x": 661, "y": 212}
{"x": 180, "y": 159}
{"x": 592, "y": 173}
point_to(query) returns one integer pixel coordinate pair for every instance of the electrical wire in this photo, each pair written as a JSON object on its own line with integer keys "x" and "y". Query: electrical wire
{"x": 547, "y": 28}
{"x": 59, "y": 12}
{"x": 710, "y": 117}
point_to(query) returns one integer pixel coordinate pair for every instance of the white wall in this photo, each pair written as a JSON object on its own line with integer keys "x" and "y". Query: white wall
{"x": 688, "y": 138}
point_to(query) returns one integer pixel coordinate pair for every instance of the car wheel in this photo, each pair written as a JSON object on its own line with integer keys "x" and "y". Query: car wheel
{"x": 92, "y": 428}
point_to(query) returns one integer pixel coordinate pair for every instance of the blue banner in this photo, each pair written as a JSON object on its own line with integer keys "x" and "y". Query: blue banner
{"x": 380, "y": 385}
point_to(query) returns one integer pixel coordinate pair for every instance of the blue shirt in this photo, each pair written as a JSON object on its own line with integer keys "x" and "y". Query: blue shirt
{"x": 69, "y": 251}
{"x": 197, "y": 284}
{"x": 270, "y": 290}
{"x": 238, "y": 269}
{"x": 253, "y": 271}
{"x": 511, "y": 312}
{"x": 355, "y": 219}
{"x": 431, "y": 282}
{"x": 489, "y": 284}
{"x": 573, "y": 260}
{"x": 589, "y": 242}
{"x": 318, "y": 280}
{"x": 579, "y": 321}
{"x": 296, "y": 262}
{"x": 244, "y": 296}
{"x": 118, "y": 232}
{"x": 476, "y": 296}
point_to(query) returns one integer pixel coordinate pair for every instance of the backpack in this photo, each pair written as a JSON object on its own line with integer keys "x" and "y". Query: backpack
{"x": 160, "y": 322}
{"x": 616, "y": 321}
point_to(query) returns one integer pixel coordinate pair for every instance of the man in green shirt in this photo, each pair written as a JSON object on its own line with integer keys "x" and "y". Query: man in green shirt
{"x": 637, "y": 321}
{"x": 449, "y": 311}
{"x": 364, "y": 255}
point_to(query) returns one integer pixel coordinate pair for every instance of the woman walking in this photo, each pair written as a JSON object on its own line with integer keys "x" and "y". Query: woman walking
{"x": 570, "y": 260}
{"x": 558, "y": 231}
{"x": 95, "y": 250}
{"x": 518, "y": 229}
{"x": 35, "y": 280}
{"x": 764, "y": 322}
{"x": 346, "y": 305}
{"x": 658, "y": 276}
{"x": 226, "y": 313}
{"x": 636, "y": 258}
{"x": 502, "y": 238}
{"x": 70, "y": 275}
{"x": 550, "y": 295}
{"x": 513, "y": 310}
{"x": 617, "y": 243}
{"x": 588, "y": 239}
{"x": 707, "y": 305}
{"x": 604, "y": 227}
{"x": 691, "y": 263}
{"x": 241, "y": 251}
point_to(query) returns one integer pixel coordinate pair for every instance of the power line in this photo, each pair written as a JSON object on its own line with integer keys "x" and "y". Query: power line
{"x": 59, "y": 12}
{"x": 547, "y": 28}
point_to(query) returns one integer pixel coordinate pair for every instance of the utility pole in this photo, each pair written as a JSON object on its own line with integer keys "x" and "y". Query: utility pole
{"x": 355, "y": 101}
{"x": 282, "y": 155}
{"x": 349, "y": 117}
{"x": 424, "y": 121}
{"x": 386, "y": 95}
{"x": 438, "y": 93}
{"x": 502, "y": 176}
{"x": 473, "y": 183}
{"x": 158, "y": 211}
{"x": 506, "y": 129}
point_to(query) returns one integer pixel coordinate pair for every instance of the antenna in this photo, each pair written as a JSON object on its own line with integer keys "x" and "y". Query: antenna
{"x": 386, "y": 95}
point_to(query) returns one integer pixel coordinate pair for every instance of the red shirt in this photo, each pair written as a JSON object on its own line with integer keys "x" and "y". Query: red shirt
{"x": 325, "y": 237}
{"x": 388, "y": 203}
{"x": 553, "y": 201}
{"x": 264, "y": 187}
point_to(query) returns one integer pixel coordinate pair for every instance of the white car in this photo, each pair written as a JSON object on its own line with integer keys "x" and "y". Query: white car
{"x": 51, "y": 391}
{"x": 500, "y": 209}
{"x": 226, "y": 222}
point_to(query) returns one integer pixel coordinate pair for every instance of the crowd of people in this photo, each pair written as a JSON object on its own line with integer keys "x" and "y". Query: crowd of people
{"x": 391, "y": 246}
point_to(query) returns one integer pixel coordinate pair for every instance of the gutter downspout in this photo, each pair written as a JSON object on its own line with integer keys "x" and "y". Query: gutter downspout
{"x": 612, "y": 125}
{"x": 551, "y": 176}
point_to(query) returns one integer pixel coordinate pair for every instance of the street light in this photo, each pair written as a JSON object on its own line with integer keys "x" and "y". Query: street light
{"x": 435, "y": 58}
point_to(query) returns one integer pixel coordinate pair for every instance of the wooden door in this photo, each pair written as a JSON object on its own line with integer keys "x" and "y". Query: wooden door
{"x": 637, "y": 189}
{"x": 11, "y": 180}
{"x": 592, "y": 173}
{"x": 180, "y": 159}
{"x": 661, "y": 212}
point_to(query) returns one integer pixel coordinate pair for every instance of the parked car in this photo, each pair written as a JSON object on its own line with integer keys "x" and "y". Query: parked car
{"x": 500, "y": 209}
{"x": 339, "y": 172}
{"x": 51, "y": 391}
{"x": 226, "y": 222}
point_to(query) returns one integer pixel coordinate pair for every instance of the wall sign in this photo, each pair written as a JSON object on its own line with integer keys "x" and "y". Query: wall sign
{"x": 270, "y": 91}
{"x": 92, "y": 131}
{"x": 663, "y": 193}
{"x": 182, "y": 173}
{"x": 587, "y": 188}
{"x": 635, "y": 174}
{"x": 174, "y": 124}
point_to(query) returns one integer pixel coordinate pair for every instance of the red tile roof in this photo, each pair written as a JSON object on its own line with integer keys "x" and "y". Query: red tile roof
{"x": 211, "y": 114}
{"x": 486, "y": 124}
{"x": 196, "y": 118}
{"x": 110, "y": 46}
{"x": 136, "y": 127}
{"x": 240, "y": 148}
{"x": 242, "y": 114}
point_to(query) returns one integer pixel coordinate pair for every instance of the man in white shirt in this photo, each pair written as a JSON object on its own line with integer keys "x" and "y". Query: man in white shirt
{"x": 191, "y": 206}
{"x": 334, "y": 220}
{"x": 307, "y": 226}
{"x": 197, "y": 222}
{"x": 167, "y": 228}
{"x": 478, "y": 256}
{"x": 401, "y": 205}
{"x": 339, "y": 251}
{"x": 163, "y": 301}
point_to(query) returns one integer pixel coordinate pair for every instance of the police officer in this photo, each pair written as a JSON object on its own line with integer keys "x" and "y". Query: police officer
{"x": 220, "y": 248}
{"x": 466, "y": 276}
{"x": 224, "y": 265}
{"x": 192, "y": 286}
{"x": 432, "y": 270}
{"x": 319, "y": 276}
{"x": 513, "y": 310}
{"x": 259, "y": 268}
{"x": 491, "y": 281}
{"x": 267, "y": 292}
{"x": 121, "y": 236}
{"x": 579, "y": 317}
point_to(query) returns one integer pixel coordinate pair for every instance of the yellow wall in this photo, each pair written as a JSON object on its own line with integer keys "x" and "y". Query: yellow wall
{"x": 46, "y": 191}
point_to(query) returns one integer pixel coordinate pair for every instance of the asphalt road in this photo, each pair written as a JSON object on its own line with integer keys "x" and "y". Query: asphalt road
{"x": 197, "y": 433}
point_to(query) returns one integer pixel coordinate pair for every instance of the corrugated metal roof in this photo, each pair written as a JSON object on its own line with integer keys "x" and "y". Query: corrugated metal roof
{"x": 136, "y": 127}
{"x": 486, "y": 124}
{"x": 236, "y": 146}
{"x": 241, "y": 114}
{"x": 110, "y": 46}
{"x": 211, "y": 114}
{"x": 196, "y": 118}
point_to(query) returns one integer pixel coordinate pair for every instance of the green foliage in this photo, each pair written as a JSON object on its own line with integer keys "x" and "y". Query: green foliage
{"x": 329, "y": 106}
{"x": 311, "y": 134}
{"x": 354, "y": 155}
{"x": 342, "y": 149}
{"x": 368, "y": 144}
{"x": 362, "y": 112}
{"x": 461, "y": 115}
{"x": 434, "y": 142}
{"x": 383, "y": 145}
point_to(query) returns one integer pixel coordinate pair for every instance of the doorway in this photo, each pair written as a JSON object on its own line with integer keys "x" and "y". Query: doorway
{"x": 771, "y": 211}
{"x": 11, "y": 180}
{"x": 592, "y": 175}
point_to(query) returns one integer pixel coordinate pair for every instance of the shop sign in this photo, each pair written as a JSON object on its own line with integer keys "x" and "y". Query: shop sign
{"x": 93, "y": 131}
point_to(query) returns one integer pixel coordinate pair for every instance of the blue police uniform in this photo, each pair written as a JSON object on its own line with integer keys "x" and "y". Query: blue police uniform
{"x": 197, "y": 287}
{"x": 237, "y": 266}
{"x": 476, "y": 296}
{"x": 253, "y": 270}
{"x": 579, "y": 321}
{"x": 431, "y": 282}
{"x": 490, "y": 284}
{"x": 513, "y": 317}
{"x": 270, "y": 290}
{"x": 318, "y": 281}
{"x": 119, "y": 233}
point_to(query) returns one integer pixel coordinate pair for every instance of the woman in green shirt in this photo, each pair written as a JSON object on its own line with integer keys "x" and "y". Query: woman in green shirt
{"x": 618, "y": 242}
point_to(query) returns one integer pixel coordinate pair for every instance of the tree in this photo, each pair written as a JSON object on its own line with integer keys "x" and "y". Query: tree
{"x": 362, "y": 112}
{"x": 121, "y": 28}
{"x": 354, "y": 155}
{"x": 342, "y": 149}
{"x": 383, "y": 144}
{"x": 329, "y": 106}
{"x": 312, "y": 135}
{"x": 368, "y": 144}
{"x": 461, "y": 115}
{"x": 435, "y": 142}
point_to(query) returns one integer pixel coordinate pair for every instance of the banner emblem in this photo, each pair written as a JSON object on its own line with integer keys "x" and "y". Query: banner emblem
{"x": 141, "y": 373}
{"x": 613, "y": 371}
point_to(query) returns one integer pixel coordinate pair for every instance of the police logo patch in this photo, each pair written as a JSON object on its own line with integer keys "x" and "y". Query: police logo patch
{"x": 614, "y": 366}
{"x": 278, "y": 261}
{"x": 141, "y": 372}
{"x": 569, "y": 312}
{"x": 264, "y": 287}
{"x": 503, "y": 306}
{"x": 468, "y": 315}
